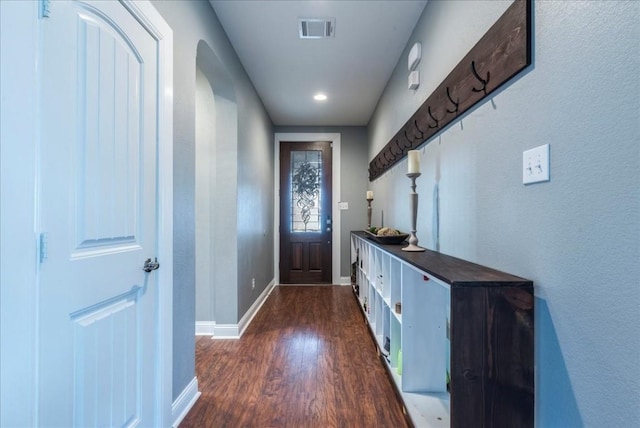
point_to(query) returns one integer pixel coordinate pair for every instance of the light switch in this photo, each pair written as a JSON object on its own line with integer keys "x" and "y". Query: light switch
{"x": 343, "y": 205}
{"x": 535, "y": 165}
{"x": 414, "y": 79}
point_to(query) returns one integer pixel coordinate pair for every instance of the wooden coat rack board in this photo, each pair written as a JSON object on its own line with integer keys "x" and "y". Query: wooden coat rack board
{"x": 501, "y": 53}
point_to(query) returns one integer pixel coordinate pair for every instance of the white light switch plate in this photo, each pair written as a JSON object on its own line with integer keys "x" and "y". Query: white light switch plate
{"x": 343, "y": 205}
{"x": 535, "y": 165}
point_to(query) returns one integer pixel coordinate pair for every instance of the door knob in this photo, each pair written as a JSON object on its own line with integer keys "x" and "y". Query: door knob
{"x": 149, "y": 265}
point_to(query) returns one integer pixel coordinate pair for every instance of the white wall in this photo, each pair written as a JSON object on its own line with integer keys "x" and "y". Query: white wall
{"x": 578, "y": 236}
{"x": 19, "y": 42}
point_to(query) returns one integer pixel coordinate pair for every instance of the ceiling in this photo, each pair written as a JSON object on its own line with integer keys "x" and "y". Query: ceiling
{"x": 351, "y": 68}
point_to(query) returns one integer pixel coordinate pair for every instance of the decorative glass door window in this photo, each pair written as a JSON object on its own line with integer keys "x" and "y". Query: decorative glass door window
{"x": 306, "y": 195}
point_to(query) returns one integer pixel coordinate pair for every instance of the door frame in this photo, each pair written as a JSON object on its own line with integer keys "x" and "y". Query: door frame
{"x": 20, "y": 144}
{"x": 151, "y": 19}
{"x": 19, "y": 45}
{"x": 334, "y": 138}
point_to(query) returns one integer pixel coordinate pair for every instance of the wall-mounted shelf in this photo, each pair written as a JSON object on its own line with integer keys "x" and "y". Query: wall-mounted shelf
{"x": 457, "y": 317}
{"x": 502, "y": 53}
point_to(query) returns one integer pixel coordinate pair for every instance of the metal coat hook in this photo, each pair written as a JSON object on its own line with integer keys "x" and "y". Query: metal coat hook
{"x": 398, "y": 147}
{"x": 432, "y": 117}
{"x": 484, "y": 82}
{"x": 393, "y": 156}
{"x": 483, "y": 69}
{"x": 408, "y": 140}
{"x": 415, "y": 123}
{"x": 455, "y": 103}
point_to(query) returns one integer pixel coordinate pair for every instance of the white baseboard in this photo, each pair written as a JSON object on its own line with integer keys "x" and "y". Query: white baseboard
{"x": 234, "y": 331}
{"x": 220, "y": 331}
{"x": 253, "y": 310}
{"x": 205, "y": 328}
{"x": 226, "y": 331}
{"x": 184, "y": 402}
{"x": 345, "y": 280}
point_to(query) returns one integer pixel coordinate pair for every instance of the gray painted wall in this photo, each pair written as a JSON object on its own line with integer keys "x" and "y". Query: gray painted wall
{"x": 577, "y": 237}
{"x": 205, "y": 161}
{"x": 223, "y": 199}
{"x": 353, "y": 184}
{"x": 255, "y": 199}
{"x": 248, "y": 183}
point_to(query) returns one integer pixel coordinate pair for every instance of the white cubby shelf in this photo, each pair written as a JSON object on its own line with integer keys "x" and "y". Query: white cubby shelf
{"x": 441, "y": 350}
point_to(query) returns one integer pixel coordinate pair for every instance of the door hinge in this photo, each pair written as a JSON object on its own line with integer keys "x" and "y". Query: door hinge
{"x": 45, "y": 8}
{"x": 43, "y": 247}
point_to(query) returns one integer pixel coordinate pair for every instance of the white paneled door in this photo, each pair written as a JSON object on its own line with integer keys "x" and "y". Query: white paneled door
{"x": 98, "y": 340}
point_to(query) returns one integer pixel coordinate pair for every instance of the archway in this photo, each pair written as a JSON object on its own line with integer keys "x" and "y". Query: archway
{"x": 215, "y": 190}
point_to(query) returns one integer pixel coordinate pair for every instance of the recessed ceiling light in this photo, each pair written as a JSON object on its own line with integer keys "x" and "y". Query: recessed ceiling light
{"x": 320, "y": 97}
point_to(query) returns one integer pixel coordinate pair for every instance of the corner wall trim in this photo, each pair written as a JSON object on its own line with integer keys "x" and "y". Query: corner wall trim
{"x": 225, "y": 331}
{"x": 184, "y": 402}
{"x": 253, "y": 310}
{"x": 234, "y": 331}
{"x": 205, "y": 328}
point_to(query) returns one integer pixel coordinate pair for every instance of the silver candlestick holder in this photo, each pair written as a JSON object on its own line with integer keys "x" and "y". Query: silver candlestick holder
{"x": 413, "y": 197}
{"x": 369, "y": 213}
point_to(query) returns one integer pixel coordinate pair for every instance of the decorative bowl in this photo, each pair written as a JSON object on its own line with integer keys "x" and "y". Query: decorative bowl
{"x": 387, "y": 240}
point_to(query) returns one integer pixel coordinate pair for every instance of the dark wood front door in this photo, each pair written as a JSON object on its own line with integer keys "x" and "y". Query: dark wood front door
{"x": 305, "y": 212}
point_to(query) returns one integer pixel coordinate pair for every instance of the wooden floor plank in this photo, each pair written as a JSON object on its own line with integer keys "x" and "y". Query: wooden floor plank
{"x": 306, "y": 360}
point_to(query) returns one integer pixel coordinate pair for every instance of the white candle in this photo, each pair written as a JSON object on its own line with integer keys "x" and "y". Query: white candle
{"x": 369, "y": 194}
{"x": 414, "y": 161}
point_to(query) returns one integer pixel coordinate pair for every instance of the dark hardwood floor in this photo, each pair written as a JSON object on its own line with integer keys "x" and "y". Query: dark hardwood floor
{"x": 306, "y": 360}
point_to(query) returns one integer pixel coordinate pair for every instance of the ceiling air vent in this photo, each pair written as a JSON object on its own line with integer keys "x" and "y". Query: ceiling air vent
{"x": 316, "y": 28}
